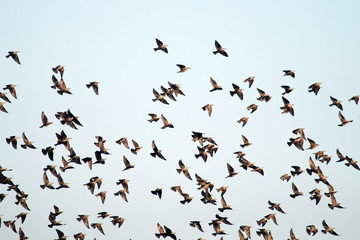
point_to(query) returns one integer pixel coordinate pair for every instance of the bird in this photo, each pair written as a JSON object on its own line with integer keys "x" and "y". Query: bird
{"x": 354, "y": 98}
{"x": 176, "y": 89}
{"x": 98, "y": 226}
{"x": 79, "y": 236}
{"x": 315, "y": 88}
{"x": 272, "y": 217}
{"x": 84, "y": 219}
{"x": 313, "y": 144}
{"x": 220, "y": 49}
{"x": 222, "y": 189}
{"x": 183, "y": 169}
{"x": 243, "y": 120}
{"x": 328, "y": 229}
{"x": 122, "y": 193}
{"x": 252, "y": 107}
{"x": 154, "y": 117}
{"x": 161, "y": 46}
{"x": 102, "y": 195}
{"x": 263, "y": 96}
{"x": 166, "y": 123}
{"x": 336, "y": 102}
{"x": 182, "y": 68}
{"x": 196, "y": 224}
{"x": 61, "y": 235}
{"x": 47, "y": 183}
{"x": 2, "y": 108}
{"x": 136, "y": 148}
{"x": 289, "y": 73}
{"x": 296, "y": 191}
{"x": 61, "y": 182}
{"x": 22, "y": 235}
{"x": 123, "y": 141}
{"x": 292, "y": 235}
{"x": 27, "y": 143}
{"x": 22, "y": 216}
{"x": 246, "y": 229}
{"x": 285, "y": 177}
{"x": 158, "y": 192}
{"x": 214, "y": 85}
{"x": 334, "y": 203}
{"x": 11, "y": 88}
{"x": 157, "y": 152}
{"x": 60, "y": 69}
{"x": 231, "y": 171}
{"x": 343, "y": 120}
{"x": 287, "y": 89}
{"x": 311, "y": 230}
{"x": 11, "y": 224}
{"x": 287, "y": 108}
{"x": 299, "y": 131}
{"x": 45, "y": 121}
{"x": 4, "y": 97}
{"x": 127, "y": 164}
{"x": 225, "y": 206}
{"x": 250, "y": 80}
{"x": 14, "y": 55}
{"x": 275, "y": 206}
{"x": 237, "y": 91}
{"x": 13, "y": 141}
{"x": 208, "y": 107}
{"x": 315, "y": 195}
{"x": 160, "y": 97}
{"x": 124, "y": 184}
{"x": 298, "y": 142}
{"x": 297, "y": 171}
{"x": 246, "y": 142}
{"x": 117, "y": 220}
{"x": 49, "y": 151}
{"x": 95, "y": 86}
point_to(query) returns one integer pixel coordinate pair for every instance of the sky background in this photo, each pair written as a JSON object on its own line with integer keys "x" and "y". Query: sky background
{"x": 112, "y": 42}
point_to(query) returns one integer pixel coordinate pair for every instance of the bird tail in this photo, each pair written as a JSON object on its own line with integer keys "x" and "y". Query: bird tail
{"x": 309, "y": 171}
{"x": 153, "y": 154}
{"x": 42, "y": 186}
{"x": 8, "y": 140}
{"x": 155, "y": 49}
{"x": 292, "y": 195}
{"x": 215, "y": 52}
{"x": 293, "y": 173}
{"x": 23, "y": 146}
{"x": 178, "y": 170}
{"x": 232, "y": 93}
{"x": 88, "y": 85}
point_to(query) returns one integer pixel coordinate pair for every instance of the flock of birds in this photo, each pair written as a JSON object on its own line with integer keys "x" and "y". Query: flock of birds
{"x": 207, "y": 148}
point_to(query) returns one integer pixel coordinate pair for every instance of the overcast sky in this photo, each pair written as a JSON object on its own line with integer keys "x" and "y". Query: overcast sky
{"x": 112, "y": 42}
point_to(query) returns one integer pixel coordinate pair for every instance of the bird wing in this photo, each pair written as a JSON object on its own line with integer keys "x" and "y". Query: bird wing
{"x": 217, "y": 45}
{"x": 213, "y": 83}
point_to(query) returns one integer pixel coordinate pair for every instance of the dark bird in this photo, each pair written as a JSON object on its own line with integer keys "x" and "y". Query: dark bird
{"x": 158, "y": 192}
{"x": 166, "y": 123}
{"x": 243, "y": 120}
{"x": 117, "y": 220}
{"x": 246, "y": 229}
{"x": 336, "y": 102}
{"x": 315, "y": 195}
{"x": 4, "y": 97}
{"x": 157, "y": 152}
{"x": 136, "y": 147}
{"x": 61, "y": 235}
{"x": 127, "y": 164}
{"x": 165, "y": 232}
{"x": 11, "y": 224}
{"x": 160, "y": 97}
{"x": 45, "y": 121}
{"x": 275, "y": 206}
{"x": 289, "y": 73}
{"x": 95, "y": 86}
{"x": 63, "y": 140}
{"x": 79, "y": 236}
{"x": 311, "y": 230}
{"x": 11, "y": 88}
{"x": 13, "y": 141}
{"x": 49, "y": 151}
{"x": 47, "y": 183}
{"x": 297, "y": 171}
{"x": 287, "y": 108}
{"x": 231, "y": 171}
{"x": 214, "y": 85}
{"x": 123, "y": 141}
{"x": 252, "y": 107}
{"x": 89, "y": 162}
{"x": 168, "y": 93}
{"x": 98, "y": 226}
{"x": 334, "y": 203}
{"x": 182, "y": 68}
{"x": 124, "y": 184}
{"x": 343, "y": 120}
{"x": 296, "y": 191}
{"x": 328, "y": 229}
{"x": 225, "y": 206}
{"x": 287, "y": 89}
{"x": 22, "y": 216}
{"x": 161, "y": 46}
{"x": 196, "y": 224}
{"x": 220, "y": 49}
{"x": 2, "y": 107}
{"x": 61, "y": 182}
{"x": 298, "y": 142}
{"x": 299, "y": 131}
{"x": 122, "y": 193}
{"x": 246, "y": 142}
{"x": 102, "y": 195}
{"x": 184, "y": 169}
{"x": 263, "y": 96}
{"x": 223, "y": 190}
{"x": 313, "y": 144}
{"x": 27, "y": 143}
{"x": 237, "y": 91}
{"x": 22, "y": 235}
{"x": 60, "y": 69}
{"x": 285, "y": 177}
{"x": 14, "y": 55}
{"x": 84, "y": 219}
{"x": 292, "y": 235}
{"x": 208, "y": 107}
{"x": 354, "y": 98}
{"x": 250, "y": 80}
{"x": 176, "y": 89}
{"x": 154, "y": 117}
{"x": 315, "y": 88}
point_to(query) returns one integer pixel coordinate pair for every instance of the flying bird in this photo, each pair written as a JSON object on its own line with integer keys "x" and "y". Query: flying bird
{"x": 157, "y": 152}
{"x": 287, "y": 108}
{"x": 246, "y": 142}
{"x": 343, "y": 120}
{"x": 95, "y": 86}
{"x": 296, "y": 191}
{"x": 214, "y": 85}
{"x": 136, "y": 148}
{"x": 154, "y": 117}
{"x": 354, "y": 98}
{"x": 252, "y": 107}
{"x": 315, "y": 88}
{"x": 287, "y": 89}
{"x": 127, "y": 164}
{"x": 158, "y": 192}
{"x": 336, "y": 102}
{"x": 243, "y": 120}
{"x": 11, "y": 88}
{"x": 4, "y": 97}
{"x": 14, "y": 55}
{"x": 166, "y": 123}
{"x": 237, "y": 91}
{"x": 220, "y": 49}
{"x": 328, "y": 229}
{"x": 184, "y": 169}
{"x": 231, "y": 171}
{"x": 289, "y": 73}
{"x": 182, "y": 68}
{"x": 161, "y": 46}
{"x": 27, "y": 143}
{"x": 123, "y": 141}
{"x": 60, "y": 69}
{"x": 13, "y": 141}
{"x": 44, "y": 120}
{"x": 208, "y": 107}
{"x": 250, "y": 80}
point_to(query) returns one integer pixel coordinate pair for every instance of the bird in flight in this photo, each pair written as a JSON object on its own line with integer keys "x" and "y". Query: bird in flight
{"x": 161, "y": 46}
{"x": 14, "y": 55}
{"x": 220, "y": 49}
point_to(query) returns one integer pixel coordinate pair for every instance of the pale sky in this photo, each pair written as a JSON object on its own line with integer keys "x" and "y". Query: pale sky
{"x": 112, "y": 42}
